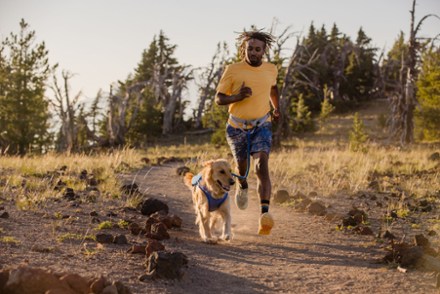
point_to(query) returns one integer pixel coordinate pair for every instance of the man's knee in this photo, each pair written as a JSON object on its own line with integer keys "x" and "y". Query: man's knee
{"x": 261, "y": 162}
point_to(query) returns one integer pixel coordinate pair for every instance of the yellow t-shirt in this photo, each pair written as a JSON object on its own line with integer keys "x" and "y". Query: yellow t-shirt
{"x": 260, "y": 79}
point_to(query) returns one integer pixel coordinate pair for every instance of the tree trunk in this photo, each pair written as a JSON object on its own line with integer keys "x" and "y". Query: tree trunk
{"x": 296, "y": 66}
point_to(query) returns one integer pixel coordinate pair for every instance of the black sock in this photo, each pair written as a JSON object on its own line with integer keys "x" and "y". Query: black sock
{"x": 265, "y": 206}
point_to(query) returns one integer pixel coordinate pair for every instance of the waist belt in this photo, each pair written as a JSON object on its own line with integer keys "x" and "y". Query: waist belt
{"x": 248, "y": 124}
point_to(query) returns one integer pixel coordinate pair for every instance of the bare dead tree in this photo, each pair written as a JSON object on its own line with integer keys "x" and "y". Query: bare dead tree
{"x": 299, "y": 66}
{"x": 404, "y": 101}
{"x": 66, "y": 108}
{"x": 280, "y": 40}
{"x": 181, "y": 75}
{"x": 119, "y": 118}
{"x": 167, "y": 92}
{"x": 210, "y": 77}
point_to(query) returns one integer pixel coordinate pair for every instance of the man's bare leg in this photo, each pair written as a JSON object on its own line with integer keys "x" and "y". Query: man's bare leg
{"x": 241, "y": 198}
{"x": 264, "y": 189}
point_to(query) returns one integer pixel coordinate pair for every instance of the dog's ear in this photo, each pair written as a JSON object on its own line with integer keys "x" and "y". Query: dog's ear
{"x": 207, "y": 163}
{"x": 207, "y": 169}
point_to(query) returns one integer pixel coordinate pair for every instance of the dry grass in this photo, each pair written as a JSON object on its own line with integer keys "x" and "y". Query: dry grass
{"x": 30, "y": 181}
{"x": 328, "y": 170}
{"x": 325, "y": 168}
{"x": 321, "y": 163}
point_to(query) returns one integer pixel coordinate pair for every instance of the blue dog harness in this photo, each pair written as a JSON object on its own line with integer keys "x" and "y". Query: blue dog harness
{"x": 213, "y": 203}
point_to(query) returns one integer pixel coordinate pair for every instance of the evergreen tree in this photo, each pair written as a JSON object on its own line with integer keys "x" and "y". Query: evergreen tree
{"x": 326, "y": 107}
{"x": 24, "y": 115}
{"x": 360, "y": 71}
{"x": 358, "y": 136}
{"x": 428, "y": 84}
{"x": 392, "y": 65}
{"x": 303, "y": 117}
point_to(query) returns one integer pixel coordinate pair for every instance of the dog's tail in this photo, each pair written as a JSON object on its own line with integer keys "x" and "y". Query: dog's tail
{"x": 187, "y": 180}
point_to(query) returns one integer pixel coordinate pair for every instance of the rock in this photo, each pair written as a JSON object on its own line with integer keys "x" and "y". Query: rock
{"x": 160, "y": 216}
{"x": 158, "y": 231}
{"x": 149, "y": 222}
{"x": 176, "y": 221}
{"x": 354, "y": 218}
{"x": 93, "y": 213}
{"x": 432, "y": 233}
{"x": 281, "y": 196}
{"x": 393, "y": 214}
{"x": 120, "y": 240}
{"x": 137, "y": 249}
{"x": 363, "y": 230}
{"x": 131, "y": 188}
{"x": 153, "y": 246}
{"x": 98, "y": 285}
{"x": 410, "y": 256}
{"x": 303, "y": 204}
{"x": 182, "y": 170}
{"x": 374, "y": 185}
{"x": 70, "y": 195}
{"x": 104, "y": 238}
{"x": 5, "y": 214}
{"x": 83, "y": 175}
{"x": 122, "y": 289}
{"x": 166, "y": 265}
{"x": 317, "y": 208}
{"x": 134, "y": 228}
{"x": 145, "y": 277}
{"x": 298, "y": 195}
{"x": 333, "y": 217}
{"x": 27, "y": 280}
{"x": 4, "y": 276}
{"x": 76, "y": 282}
{"x": 434, "y": 156}
{"x": 110, "y": 289}
{"x": 388, "y": 235}
{"x": 111, "y": 214}
{"x": 426, "y": 208}
{"x": 312, "y": 194}
{"x": 92, "y": 181}
{"x": 60, "y": 185}
{"x": 95, "y": 220}
{"x": 420, "y": 240}
{"x": 152, "y": 205}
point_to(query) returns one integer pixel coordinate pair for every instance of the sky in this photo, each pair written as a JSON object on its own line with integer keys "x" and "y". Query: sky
{"x": 101, "y": 41}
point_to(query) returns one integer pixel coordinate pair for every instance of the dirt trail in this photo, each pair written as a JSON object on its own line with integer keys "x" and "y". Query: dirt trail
{"x": 304, "y": 254}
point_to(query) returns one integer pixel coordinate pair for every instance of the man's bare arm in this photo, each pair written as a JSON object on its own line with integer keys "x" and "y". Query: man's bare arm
{"x": 275, "y": 101}
{"x": 223, "y": 99}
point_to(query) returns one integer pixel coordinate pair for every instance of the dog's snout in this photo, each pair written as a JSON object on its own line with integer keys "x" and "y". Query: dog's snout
{"x": 231, "y": 182}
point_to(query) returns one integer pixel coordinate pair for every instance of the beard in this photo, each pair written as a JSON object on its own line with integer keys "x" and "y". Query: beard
{"x": 254, "y": 60}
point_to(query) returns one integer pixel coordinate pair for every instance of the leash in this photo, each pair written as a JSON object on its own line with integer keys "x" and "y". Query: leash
{"x": 255, "y": 124}
{"x": 248, "y": 139}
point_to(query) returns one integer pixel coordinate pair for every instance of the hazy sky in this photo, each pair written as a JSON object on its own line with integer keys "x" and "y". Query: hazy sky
{"x": 101, "y": 41}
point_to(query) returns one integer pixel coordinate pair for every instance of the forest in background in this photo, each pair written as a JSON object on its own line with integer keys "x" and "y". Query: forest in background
{"x": 327, "y": 71}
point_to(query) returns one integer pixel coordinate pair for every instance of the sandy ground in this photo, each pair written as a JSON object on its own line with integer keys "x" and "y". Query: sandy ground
{"x": 304, "y": 253}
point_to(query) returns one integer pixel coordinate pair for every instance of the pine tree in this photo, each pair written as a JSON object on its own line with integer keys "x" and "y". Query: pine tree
{"x": 24, "y": 114}
{"x": 358, "y": 137}
{"x": 303, "y": 119}
{"x": 326, "y": 107}
{"x": 428, "y": 84}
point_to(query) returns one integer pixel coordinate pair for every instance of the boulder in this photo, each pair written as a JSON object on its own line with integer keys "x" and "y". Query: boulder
{"x": 166, "y": 265}
{"x": 152, "y": 205}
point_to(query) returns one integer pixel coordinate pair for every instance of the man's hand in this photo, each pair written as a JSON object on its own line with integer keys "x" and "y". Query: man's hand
{"x": 244, "y": 92}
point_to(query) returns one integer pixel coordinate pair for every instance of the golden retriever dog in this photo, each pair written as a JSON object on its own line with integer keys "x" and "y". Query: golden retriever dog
{"x": 210, "y": 198}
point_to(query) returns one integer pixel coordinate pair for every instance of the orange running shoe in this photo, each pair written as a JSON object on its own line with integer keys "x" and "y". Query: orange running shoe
{"x": 266, "y": 224}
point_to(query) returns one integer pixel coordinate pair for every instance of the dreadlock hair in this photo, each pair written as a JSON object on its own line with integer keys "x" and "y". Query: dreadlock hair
{"x": 245, "y": 36}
